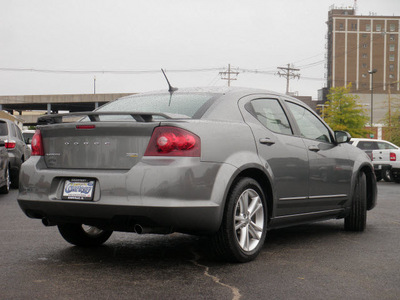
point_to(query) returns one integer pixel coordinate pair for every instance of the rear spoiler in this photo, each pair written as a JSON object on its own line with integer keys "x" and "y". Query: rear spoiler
{"x": 94, "y": 116}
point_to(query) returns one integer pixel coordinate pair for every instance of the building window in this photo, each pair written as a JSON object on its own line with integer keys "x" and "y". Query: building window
{"x": 364, "y": 35}
{"x": 391, "y": 67}
{"x": 341, "y": 26}
{"x": 391, "y": 76}
{"x": 364, "y": 75}
{"x": 392, "y": 27}
{"x": 391, "y": 57}
{"x": 392, "y": 37}
{"x": 391, "y": 47}
{"x": 365, "y": 45}
{"x": 365, "y": 55}
{"x": 378, "y": 27}
{"x": 353, "y": 26}
{"x": 364, "y": 85}
{"x": 367, "y": 27}
{"x": 364, "y": 66}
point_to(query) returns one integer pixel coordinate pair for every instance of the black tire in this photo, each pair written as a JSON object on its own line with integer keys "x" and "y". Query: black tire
{"x": 387, "y": 176}
{"x": 82, "y": 235}
{"x": 14, "y": 176}
{"x": 357, "y": 219}
{"x": 242, "y": 232}
{"x": 394, "y": 178}
{"x": 6, "y": 188}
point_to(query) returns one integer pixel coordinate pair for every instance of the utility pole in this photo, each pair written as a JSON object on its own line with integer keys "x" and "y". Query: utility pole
{"x": 288, "y": 73}
{"x": 94, "y": 85}
{"x": 227, "y": 75}
{"x": 390, "y": 102}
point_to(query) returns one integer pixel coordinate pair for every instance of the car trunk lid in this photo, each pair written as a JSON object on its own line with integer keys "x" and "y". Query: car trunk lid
{"x": 92, "y": 143}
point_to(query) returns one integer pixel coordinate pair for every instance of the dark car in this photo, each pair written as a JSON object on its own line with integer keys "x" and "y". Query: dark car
{"x": 18, "y": 151}
{"x": 230, "y": 163}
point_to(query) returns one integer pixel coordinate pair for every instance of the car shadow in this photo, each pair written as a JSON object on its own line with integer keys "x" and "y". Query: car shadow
{"x": 126, "y": 249}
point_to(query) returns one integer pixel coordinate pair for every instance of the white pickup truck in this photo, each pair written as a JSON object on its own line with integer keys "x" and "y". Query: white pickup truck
{"x": 387, "y": 159}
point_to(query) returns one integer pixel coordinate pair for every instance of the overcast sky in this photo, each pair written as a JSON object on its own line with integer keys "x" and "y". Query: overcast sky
{"x": 105, "y": 37}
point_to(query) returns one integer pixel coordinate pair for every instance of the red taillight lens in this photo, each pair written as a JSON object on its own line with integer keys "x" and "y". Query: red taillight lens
{"x": 392, "y": 156}
{"x": 10, "y": 144}
{"x": 37, "y": 144}
{"x": 85, "y": 126}
{"x": 172, "y": 141}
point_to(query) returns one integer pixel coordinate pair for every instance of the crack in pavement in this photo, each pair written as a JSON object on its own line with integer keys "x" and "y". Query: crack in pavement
{"x": 235, "y": 290}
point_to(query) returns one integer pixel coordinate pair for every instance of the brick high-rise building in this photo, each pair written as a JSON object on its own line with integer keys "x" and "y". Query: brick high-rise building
{"x": 357, "y": 46}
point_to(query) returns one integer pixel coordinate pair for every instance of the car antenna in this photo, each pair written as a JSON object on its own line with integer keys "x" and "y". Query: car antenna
{"x": 171, "y": 89}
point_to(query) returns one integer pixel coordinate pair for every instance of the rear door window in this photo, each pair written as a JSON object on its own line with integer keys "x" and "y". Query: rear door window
{"x": 13, "y": 132}
{"x": 367, "y": 145}
{"x": 18, "y": 133}
{"x": 270, "y": 113}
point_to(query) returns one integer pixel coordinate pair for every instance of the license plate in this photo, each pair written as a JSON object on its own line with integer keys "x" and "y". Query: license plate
{"x": 78, "y": 189}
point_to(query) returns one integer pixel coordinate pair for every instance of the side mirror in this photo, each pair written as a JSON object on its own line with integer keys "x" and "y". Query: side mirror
{"x": 342, "y": 137}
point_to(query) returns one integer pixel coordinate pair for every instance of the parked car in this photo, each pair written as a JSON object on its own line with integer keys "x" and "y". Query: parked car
{"x": 4, "y": 169}
{"x": 388, "y": 159}
{"x": 227, "y": 162}
{"x": 382, "y": 171}
{"x": 28, "y": 135}
{"x": 18, "y": 151}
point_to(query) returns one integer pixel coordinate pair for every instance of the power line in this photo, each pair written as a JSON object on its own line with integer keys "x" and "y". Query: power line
{"x": 61, "y": 71}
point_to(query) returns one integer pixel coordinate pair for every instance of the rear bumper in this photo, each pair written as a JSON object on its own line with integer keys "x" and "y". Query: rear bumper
{"x": 184, "y": 194}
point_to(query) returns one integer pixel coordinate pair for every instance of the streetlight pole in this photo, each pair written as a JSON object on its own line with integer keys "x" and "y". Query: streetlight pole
{"x": 372, "y": 72}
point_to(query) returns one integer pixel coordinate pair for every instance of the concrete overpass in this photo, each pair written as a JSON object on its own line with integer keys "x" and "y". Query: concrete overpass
{"x": 30, "y": 107}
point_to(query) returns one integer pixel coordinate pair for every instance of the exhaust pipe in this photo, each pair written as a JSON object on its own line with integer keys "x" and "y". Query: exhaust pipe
{"x": 46, "y": 222}
{"x": 139, "y": 229}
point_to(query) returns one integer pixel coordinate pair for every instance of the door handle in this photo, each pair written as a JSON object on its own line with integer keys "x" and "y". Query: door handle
{"x": 266, "y": 141}
{"x": 314, "y": 148}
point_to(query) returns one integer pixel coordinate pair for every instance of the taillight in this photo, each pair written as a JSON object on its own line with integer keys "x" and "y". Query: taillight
{"x": 392, "y": 156}
{"x": 37, "y": 144}
{"x": 173, "y": 141}
{"x": 85, "y": 126}
{"x": 9, "y": 144}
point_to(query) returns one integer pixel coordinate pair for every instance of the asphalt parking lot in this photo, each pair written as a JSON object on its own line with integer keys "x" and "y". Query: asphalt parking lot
{"x": 315, "y": 261}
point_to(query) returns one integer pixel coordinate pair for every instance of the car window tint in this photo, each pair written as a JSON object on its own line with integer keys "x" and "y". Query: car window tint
{"x": 310, "y": 126}
{"x": 270, "y": 113}
{"x": 383, "y": 145}
{"x": 367, "y": 145}
{"x": 183, "y": 104}
{"x": 3, "y": 128}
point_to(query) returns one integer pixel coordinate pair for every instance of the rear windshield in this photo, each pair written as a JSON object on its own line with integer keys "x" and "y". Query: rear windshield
{"x": 3, "y": 128}
{"x": 178, "y": 103}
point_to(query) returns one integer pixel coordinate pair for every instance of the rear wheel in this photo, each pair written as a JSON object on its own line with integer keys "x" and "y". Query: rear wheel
{"x": 357, "y": 219}
{"x": 6, "y": 188}
{"x": 84, "y": 235}
{"x": 244, "y": 225}
{"x": 387, "y": 176}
